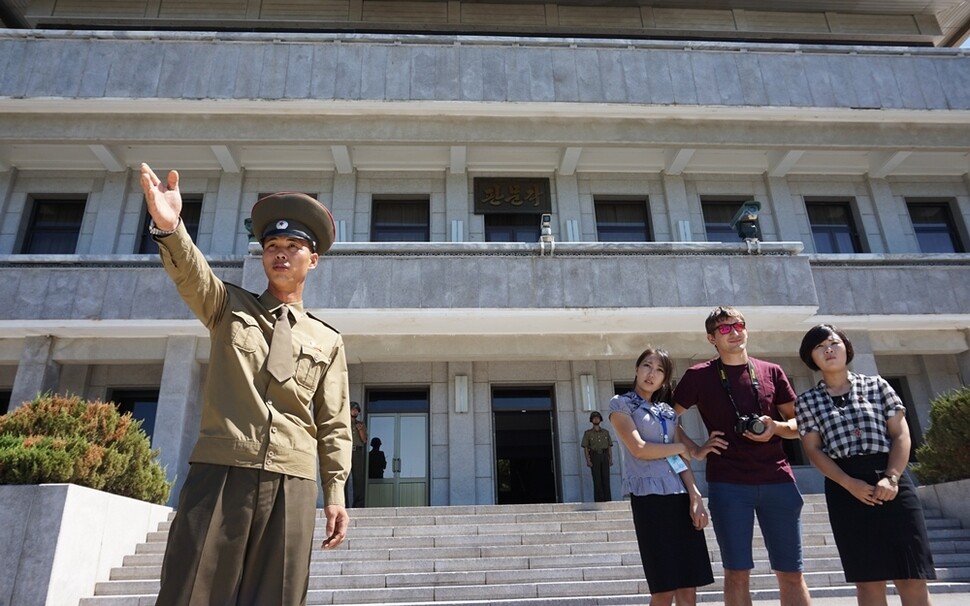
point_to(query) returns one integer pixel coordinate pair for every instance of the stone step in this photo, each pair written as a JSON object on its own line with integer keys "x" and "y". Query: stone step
{"x": 518, "y": 555}
{"x": 706, "y": 597}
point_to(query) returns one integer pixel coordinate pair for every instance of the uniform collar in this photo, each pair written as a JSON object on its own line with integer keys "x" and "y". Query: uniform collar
{"x": 272, "y": 304}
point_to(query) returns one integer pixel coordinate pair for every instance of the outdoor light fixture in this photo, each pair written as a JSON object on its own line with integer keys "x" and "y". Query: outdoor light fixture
{"x": 587, "y": 387}
{"x": 461, "y": 393}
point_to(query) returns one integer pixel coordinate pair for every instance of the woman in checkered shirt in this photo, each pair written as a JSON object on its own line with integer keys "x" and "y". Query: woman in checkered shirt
{"x": 854, "y": 431}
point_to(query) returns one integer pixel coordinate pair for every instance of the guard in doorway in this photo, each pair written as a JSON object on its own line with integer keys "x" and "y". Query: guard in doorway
{"x": 598, "y": 446}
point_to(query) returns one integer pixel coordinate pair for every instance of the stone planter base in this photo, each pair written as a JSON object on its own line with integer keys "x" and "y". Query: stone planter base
{"x": 952, "y": 498}
{"x": 58, "y": 540}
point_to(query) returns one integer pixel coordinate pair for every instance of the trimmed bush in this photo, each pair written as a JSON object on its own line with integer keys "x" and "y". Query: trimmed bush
{"x": 64, "y": 439}
{"x": 945, "y": 454}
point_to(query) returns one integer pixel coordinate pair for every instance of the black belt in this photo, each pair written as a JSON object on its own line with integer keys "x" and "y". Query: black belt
{"x": 599, "y": 451}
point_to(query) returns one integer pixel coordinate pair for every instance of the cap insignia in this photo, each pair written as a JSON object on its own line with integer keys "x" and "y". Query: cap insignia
{"x": 282, "y": 224}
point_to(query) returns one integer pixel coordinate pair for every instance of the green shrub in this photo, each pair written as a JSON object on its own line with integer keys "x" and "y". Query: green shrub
{"x": 64, "y": 439}
{"x": 944, "y": 455}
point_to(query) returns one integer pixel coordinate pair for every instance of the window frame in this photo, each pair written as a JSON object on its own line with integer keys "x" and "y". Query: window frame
{"x": 126, "y": 399}
{"x": 520, "y": 227}
{"x": 851, "y": 226}
{"x": 711, "y": 227}
{"x": 620, "y": 227}
{"x": 30, "y": 230}
{"x": 953, "y": 228}
{"x": 148, "y": 246}
{"x": 378, "y": 227}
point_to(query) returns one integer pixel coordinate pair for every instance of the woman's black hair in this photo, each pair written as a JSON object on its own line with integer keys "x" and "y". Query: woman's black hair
{"x": 666, "y": 391}
{"x": 816, "y": 335}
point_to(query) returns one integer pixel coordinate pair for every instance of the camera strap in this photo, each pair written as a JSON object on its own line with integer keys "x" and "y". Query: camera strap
{"x": 727, "y": 386}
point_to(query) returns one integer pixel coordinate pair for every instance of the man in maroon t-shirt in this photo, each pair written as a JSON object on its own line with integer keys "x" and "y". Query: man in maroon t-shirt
{"x": 748, "y": 406}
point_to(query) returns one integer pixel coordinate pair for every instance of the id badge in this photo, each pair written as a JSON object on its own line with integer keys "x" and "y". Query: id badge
{"x": 676, "y": 463}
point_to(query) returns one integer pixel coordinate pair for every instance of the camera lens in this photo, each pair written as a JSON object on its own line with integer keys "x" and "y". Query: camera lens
{"x": 756, "y": 426}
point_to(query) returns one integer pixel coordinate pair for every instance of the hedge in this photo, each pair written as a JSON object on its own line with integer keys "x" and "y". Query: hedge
{"x": 64, "y": 439}
{"x": 945, "y": 453}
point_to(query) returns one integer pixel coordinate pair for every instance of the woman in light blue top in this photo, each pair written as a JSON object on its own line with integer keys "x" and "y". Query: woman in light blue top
{"x": 668, "y": 512}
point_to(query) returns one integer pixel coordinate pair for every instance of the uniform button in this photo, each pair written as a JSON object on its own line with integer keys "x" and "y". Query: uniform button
{"x": 269, "y": 402}
{"x": 271, "y": 454}
{"x": 272, "y": 430}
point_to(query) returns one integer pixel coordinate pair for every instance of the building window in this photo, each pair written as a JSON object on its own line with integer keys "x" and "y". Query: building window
{"x": 717, "y": 219}
{"x": 833, "y": 227}
{"x": 191, "y": 214}
{"x": 141, "y": 403}
{"x": 935, "y": 230}
{"x": 622, "y": 221}
{"x": 54, "y": 226}
{"x": 5, "y": 396}
{"x": 512, "y": 227}
{"x": 400, "y": 221}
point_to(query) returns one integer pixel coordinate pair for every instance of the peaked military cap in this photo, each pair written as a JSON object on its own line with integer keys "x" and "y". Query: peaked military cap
{"x": 297, "y": 215}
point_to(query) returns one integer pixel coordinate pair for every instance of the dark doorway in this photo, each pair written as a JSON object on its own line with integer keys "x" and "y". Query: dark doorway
{"x": 524, "y": 445}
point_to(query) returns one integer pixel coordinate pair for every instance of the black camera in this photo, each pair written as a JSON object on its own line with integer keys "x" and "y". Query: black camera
{"x": 750, "y": 422}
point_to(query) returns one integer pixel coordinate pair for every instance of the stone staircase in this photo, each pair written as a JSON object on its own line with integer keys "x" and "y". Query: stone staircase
{"x": 568, "y": 554}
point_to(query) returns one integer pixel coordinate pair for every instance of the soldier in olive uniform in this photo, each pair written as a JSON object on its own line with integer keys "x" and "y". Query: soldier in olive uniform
{"x": 275, "y": 406}
{"x": 599, "y": 457}
{"x": 357, "y": 483}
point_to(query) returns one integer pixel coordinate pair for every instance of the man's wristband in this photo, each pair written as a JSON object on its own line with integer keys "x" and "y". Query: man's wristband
{"x": 153, "y": 230}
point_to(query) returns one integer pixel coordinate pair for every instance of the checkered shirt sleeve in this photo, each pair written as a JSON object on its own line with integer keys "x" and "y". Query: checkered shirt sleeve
{"x": 858, "y": 428}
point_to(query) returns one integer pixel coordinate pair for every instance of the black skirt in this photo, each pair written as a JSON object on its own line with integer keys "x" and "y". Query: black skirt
{"x": 674, "y": 553}
{"x": 878, "y": 542}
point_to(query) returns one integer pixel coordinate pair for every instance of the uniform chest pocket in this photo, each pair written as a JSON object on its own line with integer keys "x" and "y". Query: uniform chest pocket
{"x": 245, "y": 333}
{"x": 310, "y": 366}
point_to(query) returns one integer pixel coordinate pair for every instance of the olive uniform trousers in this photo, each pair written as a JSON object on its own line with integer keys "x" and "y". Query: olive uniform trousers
{"x": 240, "y": 537}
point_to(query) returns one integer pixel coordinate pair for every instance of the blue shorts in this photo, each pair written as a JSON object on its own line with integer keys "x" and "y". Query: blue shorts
{"x": 778, "y": 506}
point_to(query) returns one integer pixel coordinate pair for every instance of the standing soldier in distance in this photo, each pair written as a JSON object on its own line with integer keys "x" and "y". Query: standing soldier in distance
{"x": 598, "y": 446}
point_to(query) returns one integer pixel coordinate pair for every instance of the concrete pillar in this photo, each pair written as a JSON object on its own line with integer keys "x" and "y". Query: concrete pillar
{"x": 37, "y": 371}
{"x": 343, "y": 204}
{"x": 457, "y": 207}
{"x": 227, "y": 227}
{"x": 9, "y": 218}
{"x": 963, "y": 360}
{"x": 783, "y": 209}
{"x": 109, "y": 214}
{"x": 175, "y": 431}
{"x": 567, "y": 205}
{"x": 895, "y": 231}
{"x": 461, "y": 437}
{"x": 678, "y": 209}
{"x": 864, "y": 360}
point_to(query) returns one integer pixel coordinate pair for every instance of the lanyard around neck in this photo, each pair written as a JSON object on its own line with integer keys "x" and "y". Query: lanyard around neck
{"x": 727, "y": 385}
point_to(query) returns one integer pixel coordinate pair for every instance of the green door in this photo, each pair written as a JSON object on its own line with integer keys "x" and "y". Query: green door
{"x": 397, "y": 456}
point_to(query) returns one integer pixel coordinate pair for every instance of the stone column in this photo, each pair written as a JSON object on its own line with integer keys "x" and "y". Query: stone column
{"x": 37, "y": 371}
{"x": 678, "y": 208}
{"x": 456, "y": 207}
{"x": 864, "y": 360}
{"x": 109, "y": 214}
{"x": 227, "y": 226}
{"x": 567, "y": 207}
{"x": 461, "y": 438}
{"x": 963, "y": 360}
{"x": 783, "y": 209}
{"x": 343, "y": 204}
{"x": 178, "y": 406}
{"x": 896, "y": 235}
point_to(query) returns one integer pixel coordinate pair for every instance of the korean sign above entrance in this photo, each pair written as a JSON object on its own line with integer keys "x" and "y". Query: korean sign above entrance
{"x": 512, "y": 195}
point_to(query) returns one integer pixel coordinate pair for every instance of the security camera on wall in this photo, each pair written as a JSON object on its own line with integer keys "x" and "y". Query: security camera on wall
{"x": 745, "y": 221}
